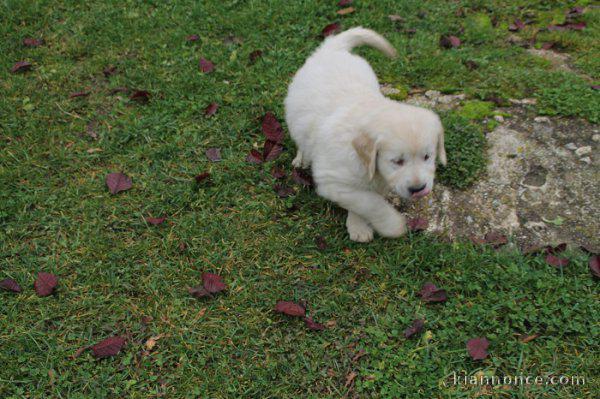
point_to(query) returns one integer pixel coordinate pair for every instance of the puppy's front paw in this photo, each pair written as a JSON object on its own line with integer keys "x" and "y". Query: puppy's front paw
{"x": 297, "y": 162}
{"x": 358, "y": 229}
{"x": 393, "y": 226}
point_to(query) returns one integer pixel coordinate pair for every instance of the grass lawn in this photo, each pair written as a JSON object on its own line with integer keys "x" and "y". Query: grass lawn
{"x": 120, "y": 275}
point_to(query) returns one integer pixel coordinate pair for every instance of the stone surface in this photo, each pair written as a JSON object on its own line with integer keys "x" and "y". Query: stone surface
{"x": 581, "y": 151}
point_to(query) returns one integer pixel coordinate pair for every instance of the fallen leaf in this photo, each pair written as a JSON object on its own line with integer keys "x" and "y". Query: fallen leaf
{"x": 313, "y": 325}
{"x": 547, "y": 45}
{"x": 556, "y": 261}
{"x": 192, "y": 38}
{"x": 90, "y": 129}
{"x": 331, "y": 29}
{"x": 396, "y": 18}
{"x": 9, "y": 284}
{"x": 271, "y": 150}
{"x": 576, "y": 10}
{"x": 594, "y": 264}
{"x": 21, "y": 66}
{"x": 31, "y": 42}
{"x": 302, "y": 177}
{"x": 206, "y": 66}
{"x": 255, "y": 55}
{"x": 567, "y": 26}
{"x": 345, "y": 11}
{"x": 201, "y": 177}
{"x": 213, "y": 154}
{"x": 199, "y": 292}
{"x": 272, "y": 128}
{"x": 45, "y": 284}
{"x": 431, "y": 293}
{"x": 283, "y": 191}
{"x": 417, "y": 224}
{"x": 151, "y": 342}
{"x": 516, "y": 26}
{"x": 140, "y": 96}
{"x": 344, "y": 3}
{"x": 495, "y": 239}
{"x": 155, "y": 221}
{"x": 213, "y": 283}
{"x": 415, "y": 328}
{"x": 79, "y": 94}
{"x": 290, "y": 309}
{"x": 595, "y": 87}
{"x": 321, "y": 243}
{"x": 254, "y": 157}
{"x": 211, "y": 109}
{"x": 108, "y": 347}
{"x": 78, "y": 352}
{"x": 358, "y": 355}
{"x": 93, "y": 150}
{"x": 350, "y": 379}
{"x": 528, "y": 338}
{"x": 277, "y": 172}
{"x": 449, "y": 41}
{"x": 477, "y": 348}
{"x": 109, "y": 71}
{"x": 556, "y": 249}
{"x": 118, "y": 182}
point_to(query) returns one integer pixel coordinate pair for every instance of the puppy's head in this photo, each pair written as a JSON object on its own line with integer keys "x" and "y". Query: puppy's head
{"x": 401, "y": 144}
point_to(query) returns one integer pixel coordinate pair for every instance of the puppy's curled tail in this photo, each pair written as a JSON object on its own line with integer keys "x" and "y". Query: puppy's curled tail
{"x": 359, "y": 36}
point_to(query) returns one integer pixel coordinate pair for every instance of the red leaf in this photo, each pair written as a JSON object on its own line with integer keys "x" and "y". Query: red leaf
{"x": 213, "y": 283}
{"x": 9, "y": 284}
{"x": 576, "y": 10}
{"x": 567, "y": 26}
{"x": 331, "y": 29}
{"x": 199, "y": 292}
{"x": 302, "y": 178}
{"x": 272, "y": 128}
{"x": 495, "y": 239}
{"x": 109, "y": 71}
{"x": 290, "y": 309}
{"x": 192, "y": 38}
{"x": 21, "y": 66}
{"x": 213, "y": 154}
{"x": 79, "y": 94}
{"x": 283, "y": 191}
{"x": 321, "y": 243}
{"x": 141, "y": 96}
{"x": 211, "y": 109}
{"x": 415, "y": 328}
{"x": 344, "y": 3}
{"x": 594, "y": 264}
{"x": 108, "y": 347}
{"x": 557, "y": 249}
{"x": 45, "y": 283}
{"x": 595, "y": 87}
{"x": 254, "y": 157}
{"x": 277, "y": 172}
{"x": 155, "y": 221}
{"x": 556, "y": 261}
{"x": 313, "y": 325}
{"x": 255, "y": 55}
{"x": 271, "y": 150}
{"x": 201, "y": 177}
{"x": 516, "y": 26}
{"x": 431, "y": 293}
{"x": 477, "y": 348}
{"x": 449, "y": 41}
{"x": 206, "y": 66}
{"x": 117, "y": 182}
{"x": 417, "y": 224}
{"x": 31, "y": 42}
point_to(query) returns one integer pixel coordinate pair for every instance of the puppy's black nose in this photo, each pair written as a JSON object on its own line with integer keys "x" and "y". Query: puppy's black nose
{"x": 416, "y": 189}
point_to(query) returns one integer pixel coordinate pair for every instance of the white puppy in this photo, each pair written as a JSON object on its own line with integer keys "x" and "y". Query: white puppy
{"x": 360, "y": 144}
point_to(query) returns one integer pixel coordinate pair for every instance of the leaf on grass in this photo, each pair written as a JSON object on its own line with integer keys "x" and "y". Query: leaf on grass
{"x": 547, "y": 45}
{"x": 556, "y": 249}
{"x": 302, "y": 177}
{"x": 277, "y": 172}
{"x": 321, "y": 243}
{"x": 477, "y": 348}
{"x": 21, "y": 66}
{"x": 313, "y": 325}
{"x": 213, "y": 283}
{"x": 201, "y": 177}
{"x": 109, "y": 71}
{"x": 415, "y": 328}
{"x": 206, "y": 66}
{"x": 79, "y": 94}
{"x": 108, "y": 347}
{"x": 117, "y": 182}
{"x": 290, "y": 309}
{"x": 516, "y": 26}
{"x": 31, "y": 42}
{"x": 271, "y": 150}
{"x": 192, "y": 38}
{"x": 344, "y": 3}
{"x": 417, "y": 224}
{"x": 254, "y": 157}
{"x": 272, "y": 128}
{"x": 346, "y": 11}
{"x": 211, "y": 109}
{"x": 151, "y": 342}
{"x": 155, "y": 221}
{"x": 350, "y": 379}
{"x": 527, "y": 338}
{"x": 283, "y": 191}
{"x": 213, "y": 154}
{"x": 255, "y": 55}
{"x": 449, "y": 41}
{"x": 594, "y": 264}
{"x": 78, "y": 352}
{"x": 331, "y": 29}
{"x": 9, "y": 284}
{"x": 431, "y": 293}
{"x": 556, "y": 261}
{"x": 45, "y": 283}
{"x": 140, "y": 96}
{"x": 567, "y": 26}
{"x": 199, "y": 292}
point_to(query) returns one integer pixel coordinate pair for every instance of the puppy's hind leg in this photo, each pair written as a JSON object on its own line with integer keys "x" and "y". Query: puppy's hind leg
{"x": 297, "y": 162}
{"x": 358, "y": 229}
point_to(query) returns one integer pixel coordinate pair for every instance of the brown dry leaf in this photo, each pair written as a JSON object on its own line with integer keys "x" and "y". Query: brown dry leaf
{"x": 151, "y": 342}
{"x": 528, "y": 338}
{"x": 350, "y": 379}
{"x": 345, "y": 11}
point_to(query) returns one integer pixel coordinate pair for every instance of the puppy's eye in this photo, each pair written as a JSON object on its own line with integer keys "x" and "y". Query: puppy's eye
{"x": 399, "y": 162}
{"x": 426, "y": 157}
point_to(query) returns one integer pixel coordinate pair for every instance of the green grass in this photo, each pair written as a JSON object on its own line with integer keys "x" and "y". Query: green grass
{"x": 57, "y": 216}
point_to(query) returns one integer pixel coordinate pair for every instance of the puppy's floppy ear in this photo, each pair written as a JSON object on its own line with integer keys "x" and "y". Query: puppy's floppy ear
{"x": 441, "y": 149}
{"x": 366, "y": 148}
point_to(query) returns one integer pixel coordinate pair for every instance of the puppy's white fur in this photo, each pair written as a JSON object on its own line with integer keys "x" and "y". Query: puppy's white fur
{"x": 360, "y": 144}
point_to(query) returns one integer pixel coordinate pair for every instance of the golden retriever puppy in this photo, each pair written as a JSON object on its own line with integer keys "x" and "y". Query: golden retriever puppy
{"x": 360, "y": 145}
